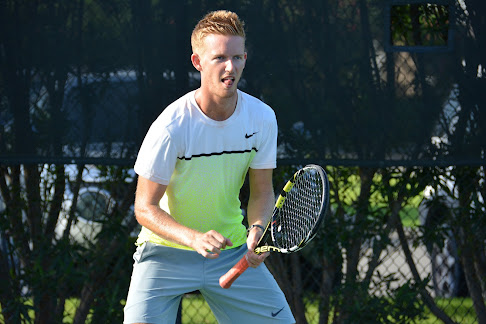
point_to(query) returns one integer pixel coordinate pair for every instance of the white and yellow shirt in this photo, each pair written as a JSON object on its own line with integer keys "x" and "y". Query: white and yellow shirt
{"x": 204, "y": 162}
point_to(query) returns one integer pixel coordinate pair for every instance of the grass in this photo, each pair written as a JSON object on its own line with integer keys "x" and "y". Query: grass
{"x": 196, "y": 310}
{"x": 459, "y": 309}
{"x": 70, "y": 310}
{"x": 70, "y": 307}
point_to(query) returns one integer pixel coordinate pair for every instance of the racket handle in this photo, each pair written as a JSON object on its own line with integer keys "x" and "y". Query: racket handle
{"x": 227, "y": 279}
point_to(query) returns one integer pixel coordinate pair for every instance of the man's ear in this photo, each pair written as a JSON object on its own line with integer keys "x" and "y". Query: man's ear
{"x": 196, "y": 61}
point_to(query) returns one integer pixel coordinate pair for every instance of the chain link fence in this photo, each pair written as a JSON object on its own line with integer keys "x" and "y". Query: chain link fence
{"x": 405, "y": 253}
{"x": 388, "y": 96}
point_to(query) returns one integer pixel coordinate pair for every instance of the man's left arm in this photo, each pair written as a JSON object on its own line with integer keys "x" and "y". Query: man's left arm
{"x": 260, "y": 207}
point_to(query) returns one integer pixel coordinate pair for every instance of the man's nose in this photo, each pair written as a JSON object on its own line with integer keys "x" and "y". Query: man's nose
{"x": 229, "y": 65}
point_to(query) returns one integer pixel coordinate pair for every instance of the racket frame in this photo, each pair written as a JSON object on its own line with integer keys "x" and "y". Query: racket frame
{"x": 268, "y": 237}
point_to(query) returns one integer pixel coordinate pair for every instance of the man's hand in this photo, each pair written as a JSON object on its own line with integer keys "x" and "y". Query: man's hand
{"x": 254, "y": 260}
{"x": 210, "y": 244}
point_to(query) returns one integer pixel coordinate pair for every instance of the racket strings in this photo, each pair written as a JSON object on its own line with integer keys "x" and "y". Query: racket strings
{"x": 300, "y": 212}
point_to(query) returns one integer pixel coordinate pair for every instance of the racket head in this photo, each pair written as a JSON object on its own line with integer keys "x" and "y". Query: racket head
{"x": 300, "y": 209}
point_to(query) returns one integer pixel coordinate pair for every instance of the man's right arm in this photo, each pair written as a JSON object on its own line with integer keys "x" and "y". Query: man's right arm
{"x": 151, "y": 216}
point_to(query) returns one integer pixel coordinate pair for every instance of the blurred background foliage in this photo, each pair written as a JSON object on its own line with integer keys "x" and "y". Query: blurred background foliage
{"x": 388, "y": 96}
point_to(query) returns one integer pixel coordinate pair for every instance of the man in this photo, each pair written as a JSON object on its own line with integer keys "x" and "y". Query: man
{"x": 191, "y": 167}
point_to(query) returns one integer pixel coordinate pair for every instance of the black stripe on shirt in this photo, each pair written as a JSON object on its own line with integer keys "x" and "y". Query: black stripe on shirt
{"x": 216, "y": 153}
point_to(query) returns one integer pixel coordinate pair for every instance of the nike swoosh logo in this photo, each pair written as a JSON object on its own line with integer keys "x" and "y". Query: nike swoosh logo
{"x": 276, "y": 313}
{"x": 248, "y": 136}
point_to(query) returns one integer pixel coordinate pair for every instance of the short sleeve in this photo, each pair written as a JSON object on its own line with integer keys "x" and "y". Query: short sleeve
{"x": 157, "y": 156}
{"x": 266, "y": 155}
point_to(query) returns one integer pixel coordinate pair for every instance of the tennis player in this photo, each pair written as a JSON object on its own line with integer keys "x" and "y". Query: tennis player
{"x": 191, "y": 166}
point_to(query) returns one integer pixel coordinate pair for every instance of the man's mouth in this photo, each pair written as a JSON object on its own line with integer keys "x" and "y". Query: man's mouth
{"x": 228, "y": 80}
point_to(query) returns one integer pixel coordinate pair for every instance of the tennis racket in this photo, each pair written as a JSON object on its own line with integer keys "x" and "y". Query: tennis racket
{"x": 300, "y": 208}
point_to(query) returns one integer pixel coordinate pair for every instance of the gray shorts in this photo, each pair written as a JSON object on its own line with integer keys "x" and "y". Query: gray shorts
{"x": 161, "y": 275}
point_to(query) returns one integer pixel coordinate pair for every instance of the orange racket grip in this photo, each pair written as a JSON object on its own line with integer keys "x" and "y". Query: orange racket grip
{"x": 227, "y": 279}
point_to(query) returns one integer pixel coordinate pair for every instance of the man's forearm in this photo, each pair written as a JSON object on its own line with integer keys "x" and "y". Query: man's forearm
{"x": 164, "y": 225}
{"x": 260, "y": 209}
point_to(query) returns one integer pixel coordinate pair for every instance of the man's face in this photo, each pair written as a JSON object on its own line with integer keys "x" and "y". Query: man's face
{"x": 221, "y": 62}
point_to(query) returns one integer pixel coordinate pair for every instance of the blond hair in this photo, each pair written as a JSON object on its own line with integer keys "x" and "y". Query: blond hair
{"x": 219, "y": 22}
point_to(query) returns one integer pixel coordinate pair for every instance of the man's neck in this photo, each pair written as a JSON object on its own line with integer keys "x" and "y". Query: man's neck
{"x": 216, "y": 108}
